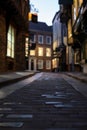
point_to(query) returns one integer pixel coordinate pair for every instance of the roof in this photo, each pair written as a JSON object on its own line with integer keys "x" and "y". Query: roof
{"x": 40, "y": 26}
{"x": 56, "y": 14}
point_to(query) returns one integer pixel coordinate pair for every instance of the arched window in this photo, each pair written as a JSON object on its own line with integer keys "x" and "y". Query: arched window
{"x": 10, "y": 41}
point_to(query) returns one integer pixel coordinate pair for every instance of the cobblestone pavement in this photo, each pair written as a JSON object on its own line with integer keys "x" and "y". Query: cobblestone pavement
{"x": 48, "y": 103}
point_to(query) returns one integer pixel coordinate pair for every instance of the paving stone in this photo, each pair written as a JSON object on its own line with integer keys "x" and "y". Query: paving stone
{"x": 5, "y": 109}
{"x": 11, "y": 103}
{"x": 50, "y": 104}
{"x": 61, "y": 129}
{"x": 11, "y": 124}
{"x": 19, "y": 116}
{"x": 1, "y": 115}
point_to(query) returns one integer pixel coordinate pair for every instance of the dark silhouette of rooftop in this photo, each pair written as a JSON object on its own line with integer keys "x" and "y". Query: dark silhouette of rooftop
{"x": 40, "y": 26}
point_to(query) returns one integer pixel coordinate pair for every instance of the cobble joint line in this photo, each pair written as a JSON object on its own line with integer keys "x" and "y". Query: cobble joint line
{"x": 45, "y": 104}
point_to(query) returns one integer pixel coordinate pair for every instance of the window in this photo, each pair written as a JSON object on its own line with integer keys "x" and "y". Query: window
{"x": 48, "y": 64}
{"x": 32, "y": 38}
{"x": 40, "y": 64}
{"x": 48, "y": 40}
{"x": 40, "y": 51}
{"x": 10, "y": 41}
{"x": 40, "y": 39}
{"x": 26, "y": 46}
{"x": 74, "y": 13}
{"x": 77, "y": 57}
{"x": 80, "y": 2}
{"x": 32, "y": 52}
{"x": 48, "y": 52}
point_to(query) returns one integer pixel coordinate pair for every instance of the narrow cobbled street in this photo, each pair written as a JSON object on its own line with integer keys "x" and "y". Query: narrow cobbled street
{"x": 47, "y": 103}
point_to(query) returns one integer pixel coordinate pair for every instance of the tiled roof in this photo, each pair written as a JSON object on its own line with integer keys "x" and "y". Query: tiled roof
{"x": 40, "y": 26}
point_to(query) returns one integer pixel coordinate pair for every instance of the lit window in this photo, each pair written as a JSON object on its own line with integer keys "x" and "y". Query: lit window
{"x": 74, "y": 13}
{"x": 48, "y": 40}
{"x": 40, "y": 39}
{"x": 40, "y": 64}
{"x": 10, "y": 41}
{"x": 26, "y": 46}
{"x": 40, "y": 51}
{"x": 48, "y": 64}
{"x": 48, "y": 52}
{"x": 80, "y": 2}
{"x": 32, "y": 52}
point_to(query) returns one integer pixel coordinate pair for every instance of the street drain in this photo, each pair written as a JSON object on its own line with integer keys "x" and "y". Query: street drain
{"x": 11, "y": 124}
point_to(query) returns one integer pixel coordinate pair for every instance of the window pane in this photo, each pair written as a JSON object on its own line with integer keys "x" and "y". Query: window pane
{"x": 12, "y": 31}
{"x": 9, "y": 31}
{"x": 40, "y": 64}
{"x": 32, "y": 38}
{"x": 12, "y": 53}
{"x": 32, "y": 52}
{"x": 48, "y": 64}
{"x": 26, "y": 46}
{"x": 9, "y": 49}
{"x": 10, "y": 41}
{"x": 40, "y": 39}
{"x": 9, "y": 36}
{"x": 48, "y": 40}
{"x": 48, "y": 52}
{"x": 13, "y": 39}
{"x": 40, "y": 51}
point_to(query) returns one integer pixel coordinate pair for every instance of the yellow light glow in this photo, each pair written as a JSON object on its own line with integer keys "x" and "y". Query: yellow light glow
{"x": 29, "y": 16}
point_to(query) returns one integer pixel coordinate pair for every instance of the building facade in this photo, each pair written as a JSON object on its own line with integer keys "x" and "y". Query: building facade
{"x": 59, "y": 44}
{"x": 13, "y": 30}
{"x": 79, "y": 13}
{"x": 66, "y": 18}
{"x": 56, "y": 40}
{"x": 40, "y": 47}
{"x": 75, "y": 13}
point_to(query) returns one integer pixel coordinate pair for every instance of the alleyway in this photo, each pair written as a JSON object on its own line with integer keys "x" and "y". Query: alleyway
{"x": 47, "y": 103}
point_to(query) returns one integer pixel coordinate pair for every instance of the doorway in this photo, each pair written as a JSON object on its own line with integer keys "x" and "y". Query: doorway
{"x": 32, "y": 64}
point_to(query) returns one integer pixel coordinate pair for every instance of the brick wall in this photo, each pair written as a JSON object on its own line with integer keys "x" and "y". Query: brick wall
{"x": 7, "y": 63}
{"x": 20, "y": 52}
{"x": 2, "y": 44}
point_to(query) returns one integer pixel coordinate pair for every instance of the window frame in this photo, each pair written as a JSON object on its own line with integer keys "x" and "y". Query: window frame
{"x": 40, "y": 51}
{"x": 48, "y": 64}
{"x": 40, "y": 64}
{"x": 48, "y": 37}
{"x": 32, "y": 52}
{"x": 48, "y": 52}
{"x": 26, "y": 46}
{"x": 33, "y": 38}
{"x": 40, "y": 39}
